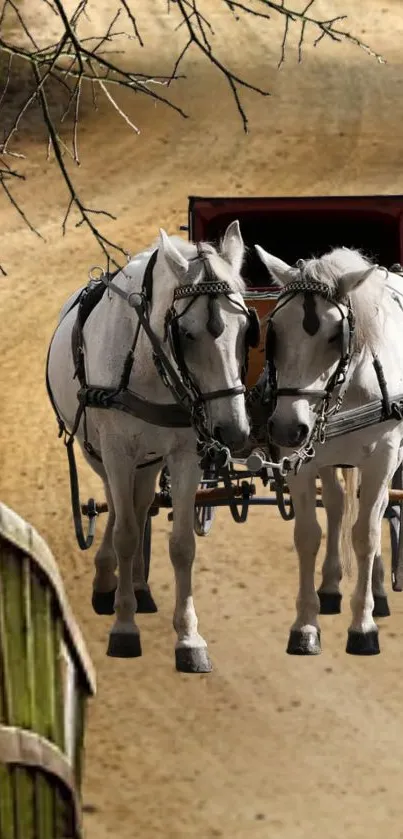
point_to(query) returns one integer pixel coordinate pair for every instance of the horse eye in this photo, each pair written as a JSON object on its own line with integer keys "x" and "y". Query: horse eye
{"x": 334, "y": 338}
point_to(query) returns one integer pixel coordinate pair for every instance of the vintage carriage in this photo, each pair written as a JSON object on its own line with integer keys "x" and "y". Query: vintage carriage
{"x": 46, "y": 678}
{"x": 293, "y": 228}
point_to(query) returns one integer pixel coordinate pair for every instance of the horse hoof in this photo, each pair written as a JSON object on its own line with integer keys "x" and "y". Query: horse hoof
{"x": 145, "y": 602}
{"x": 103, "y": 602}
{"x": 304, "y": 643}
{"x": 363, "y": 643}
{"x": 330, "y": 604}
{"x": 381, "y": 606}
{"x": 193, "y": 660}
{"x": 124, "y": 645}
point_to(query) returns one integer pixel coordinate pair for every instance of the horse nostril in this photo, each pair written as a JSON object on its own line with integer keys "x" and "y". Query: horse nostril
{"x": 291, "y": 435}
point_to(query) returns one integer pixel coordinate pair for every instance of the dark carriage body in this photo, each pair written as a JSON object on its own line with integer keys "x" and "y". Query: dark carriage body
{"x": 297, "y": 228}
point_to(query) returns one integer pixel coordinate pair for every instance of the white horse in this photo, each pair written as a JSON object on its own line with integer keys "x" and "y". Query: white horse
{"x": 334, "y": 342}
{"x": 196, "y": 314}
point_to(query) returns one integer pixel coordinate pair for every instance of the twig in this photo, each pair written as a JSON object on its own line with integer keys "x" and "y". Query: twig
{"x": 232, "y": 79}
{"x": 116, "y": 106}
{"x": 7, "y": 82}
{"x": 23, "y": 24}
{"x": 84, "y": 211}
{"x": 18, "y": 208}
{"x": 51, "y": 6}
{"x": 133, "y": 21}
{"x": 284, "y": 41}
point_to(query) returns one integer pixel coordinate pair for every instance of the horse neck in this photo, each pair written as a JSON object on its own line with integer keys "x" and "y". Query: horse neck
{"x": 387, "y": 348}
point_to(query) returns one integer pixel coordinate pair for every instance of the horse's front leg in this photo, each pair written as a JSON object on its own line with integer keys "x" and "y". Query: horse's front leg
{"x": 333, "y": 501}
{"x": 305, "y": 633}
{"x": 124, "y": 637}
{"x": 144, "y": 493}
{"x": 366, "y": 538}
{"x": 381, "y": 605}
{"x": 105, "y": 582}
{"x": 191, "y": 649}
{"x": 329, "y": 591}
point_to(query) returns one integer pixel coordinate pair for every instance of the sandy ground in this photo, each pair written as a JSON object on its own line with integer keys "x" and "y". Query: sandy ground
{"x": 267, "y": 745}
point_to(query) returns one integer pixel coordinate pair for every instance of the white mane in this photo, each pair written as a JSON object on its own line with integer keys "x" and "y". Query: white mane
{"x": 330, "y": 267}
{"x": 365, "y": 300}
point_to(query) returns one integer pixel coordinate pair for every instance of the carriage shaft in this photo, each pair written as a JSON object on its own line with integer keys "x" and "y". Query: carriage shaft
{"x": 204, "y": 498}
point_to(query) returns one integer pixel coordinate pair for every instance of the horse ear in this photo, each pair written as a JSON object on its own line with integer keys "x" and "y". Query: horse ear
{"x": 232, "y": 246}
{"x": 279, "y": 270}
{"x": 349, "y": 282}
{"x": 176, "y": 262}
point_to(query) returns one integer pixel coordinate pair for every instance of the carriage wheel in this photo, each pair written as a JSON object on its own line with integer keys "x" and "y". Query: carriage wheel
{"x": 147, "y": 547}
{"x": 204, "y": 516}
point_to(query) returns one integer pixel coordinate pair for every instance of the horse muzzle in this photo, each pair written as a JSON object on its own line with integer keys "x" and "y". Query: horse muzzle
{"x": 231, "y": 435}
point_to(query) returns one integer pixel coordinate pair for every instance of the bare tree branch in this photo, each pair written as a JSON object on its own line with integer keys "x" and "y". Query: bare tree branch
{"x": 6, "y": 174}
{"x": 232, "y": 79}
{"x": 75, "y": 63}
{"x": 133, "y": 21}
{"x": 85, "y": 212}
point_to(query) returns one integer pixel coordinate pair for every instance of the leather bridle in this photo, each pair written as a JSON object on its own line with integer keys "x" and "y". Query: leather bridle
{"x": 338, "y": 381}
{"x": 211, "y": 288}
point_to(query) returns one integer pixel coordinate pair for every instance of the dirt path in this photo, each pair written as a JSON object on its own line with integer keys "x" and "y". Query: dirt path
{"x": 267, "y": 745}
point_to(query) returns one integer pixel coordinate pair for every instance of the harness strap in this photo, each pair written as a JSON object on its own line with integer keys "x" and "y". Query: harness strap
{"x": 175, "y": 415}
{"x": 87, "y": 301}
{"x": 148, "y": 277}
{"x": 371, "y": 414}
{"x": 136, "y": 301}
{"x": 382, "y": 384}
{"x": 84, "y": 542}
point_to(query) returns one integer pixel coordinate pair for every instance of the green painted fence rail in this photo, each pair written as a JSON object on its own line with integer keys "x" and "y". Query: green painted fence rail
{"x": 46, "y": 679}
